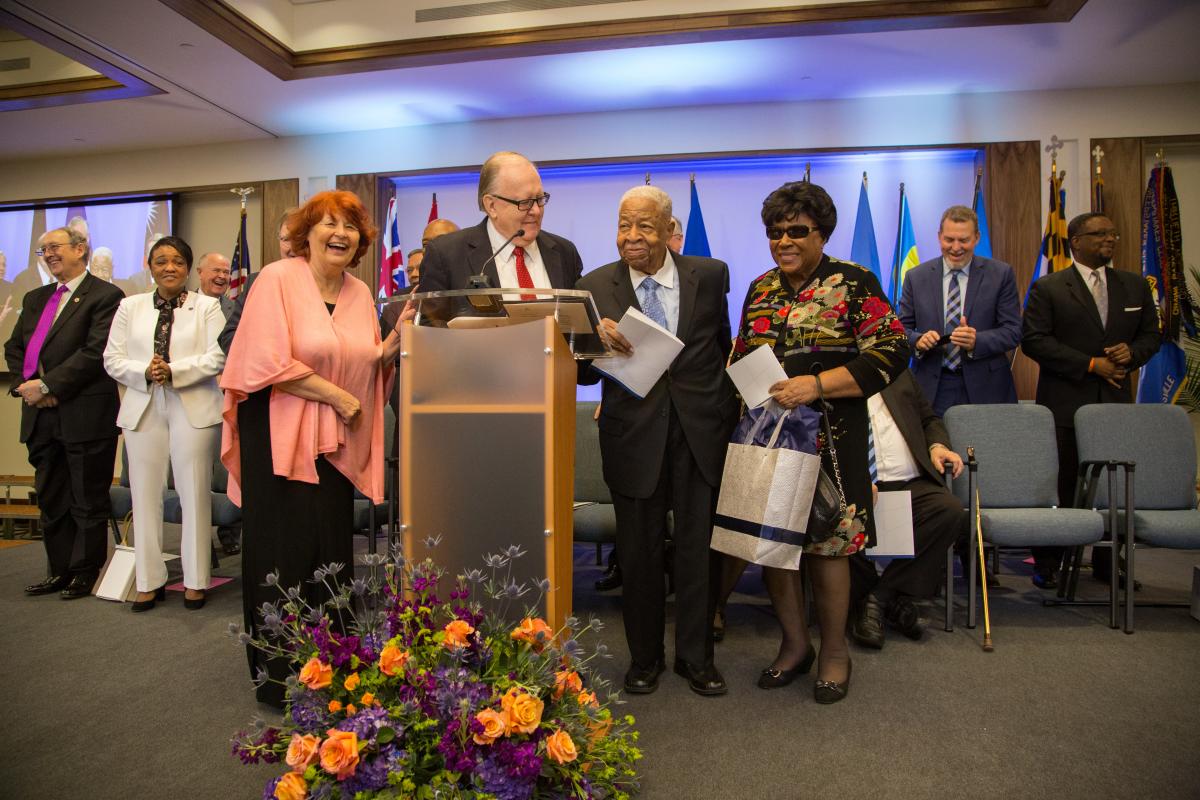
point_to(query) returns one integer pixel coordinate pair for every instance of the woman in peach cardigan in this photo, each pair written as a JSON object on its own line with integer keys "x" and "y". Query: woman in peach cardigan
{"x": 305, "y": 389}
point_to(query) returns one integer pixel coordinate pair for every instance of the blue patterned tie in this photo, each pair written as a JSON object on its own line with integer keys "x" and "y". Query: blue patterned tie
{"x": 872, "y": 466}
{"x": 953, "y": 315}
{"x": 651, "y": 305}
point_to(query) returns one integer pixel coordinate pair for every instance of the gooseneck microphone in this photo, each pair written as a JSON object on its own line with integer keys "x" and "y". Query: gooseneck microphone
{"x": 489, "y": 304}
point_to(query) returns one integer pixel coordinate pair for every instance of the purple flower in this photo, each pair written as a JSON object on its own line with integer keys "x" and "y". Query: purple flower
{"x": 269, "y": 790}
{"x": 367, "y": 723}
{"x": 344, "y": 647}
{"x": 372, "y": 773}
{"x": 309, "y": 712}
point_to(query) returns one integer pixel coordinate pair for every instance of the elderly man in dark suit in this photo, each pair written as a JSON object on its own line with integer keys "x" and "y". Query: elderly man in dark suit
{"x": 972, "y": 299}
{"x": 1088, "y": 327}
{"x": 69, "y": 418}
{"x": 665, "y": 452}
{"x": 510, "y": 194}
{"x": 912, "y": 453}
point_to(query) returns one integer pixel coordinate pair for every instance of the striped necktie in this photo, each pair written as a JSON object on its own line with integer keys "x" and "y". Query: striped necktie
{"x": 953, "y": 358}
{"x": 872, "y": 466}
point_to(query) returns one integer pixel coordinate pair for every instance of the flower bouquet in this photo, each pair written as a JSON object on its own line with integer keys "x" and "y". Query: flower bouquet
{"x": 398, "y": 693}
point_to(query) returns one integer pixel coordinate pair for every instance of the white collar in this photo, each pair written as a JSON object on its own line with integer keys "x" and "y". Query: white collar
{"x": 665, "y": 276}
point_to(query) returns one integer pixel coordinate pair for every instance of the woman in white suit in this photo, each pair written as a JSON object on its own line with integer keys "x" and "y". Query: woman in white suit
{"x": 163, "y": 348}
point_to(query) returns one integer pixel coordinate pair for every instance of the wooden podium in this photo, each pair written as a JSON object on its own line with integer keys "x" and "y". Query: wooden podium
{"x": 487, "y": 452}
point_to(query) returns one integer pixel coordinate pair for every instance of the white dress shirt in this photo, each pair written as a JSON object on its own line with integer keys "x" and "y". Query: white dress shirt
{"x": 667, "y": 278}
{"x": 893, "y": 459}
{"x": 71, "y": 285}
{"x": 506, "y": 262}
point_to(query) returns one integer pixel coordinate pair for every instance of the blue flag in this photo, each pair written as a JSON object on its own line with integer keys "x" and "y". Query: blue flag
{"x": 905, "y": 256}
{"x": 1164, "y": 376}
{"x": 695, "y": 242}
{"x": 984, "y": 248}
{"x": 864, "y": 250}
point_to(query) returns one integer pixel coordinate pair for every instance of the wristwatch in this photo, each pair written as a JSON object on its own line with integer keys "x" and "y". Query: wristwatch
{"x": 43, "y": 387}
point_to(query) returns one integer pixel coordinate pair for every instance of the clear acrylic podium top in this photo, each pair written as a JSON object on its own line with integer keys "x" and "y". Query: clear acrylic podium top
{"x": 573, "y": 310}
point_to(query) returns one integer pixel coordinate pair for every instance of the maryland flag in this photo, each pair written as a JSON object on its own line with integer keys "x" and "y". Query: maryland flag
{"x": 1056, "y": 250}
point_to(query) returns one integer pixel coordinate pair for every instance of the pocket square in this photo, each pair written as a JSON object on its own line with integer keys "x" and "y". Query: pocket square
{"x": 1133, "y": 308}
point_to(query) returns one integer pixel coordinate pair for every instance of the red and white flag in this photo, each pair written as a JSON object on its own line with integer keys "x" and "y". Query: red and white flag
{"x": 433, "y": 209}
{"x": 391, "y": 267}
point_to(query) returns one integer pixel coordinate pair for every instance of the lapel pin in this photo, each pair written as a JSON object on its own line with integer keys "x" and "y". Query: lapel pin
{"x": 74, "y": 299}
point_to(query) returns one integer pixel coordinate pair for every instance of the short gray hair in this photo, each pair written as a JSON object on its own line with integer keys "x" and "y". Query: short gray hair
{"x": 209, "y": 255}
{"x": 676, "y": 226}
{"x": 652, "y": 193}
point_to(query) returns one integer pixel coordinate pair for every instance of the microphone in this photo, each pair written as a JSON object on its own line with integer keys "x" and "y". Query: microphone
{"x": 488, "y": 303}
{"x": 481, "y": 281}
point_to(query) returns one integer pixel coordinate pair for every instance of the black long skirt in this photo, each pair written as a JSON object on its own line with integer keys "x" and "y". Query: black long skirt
{"x": 289, "y": 527}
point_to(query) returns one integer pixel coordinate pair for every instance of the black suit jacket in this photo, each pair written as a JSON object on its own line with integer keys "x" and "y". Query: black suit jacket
{"x": 451, "y": 260}
{"x": 225, "y": 337}
{"x": 1062, "y": 332}
{"x": 72, "y": 359}
{"x": 633, "y": 431}
{"x": 915, "y": 418}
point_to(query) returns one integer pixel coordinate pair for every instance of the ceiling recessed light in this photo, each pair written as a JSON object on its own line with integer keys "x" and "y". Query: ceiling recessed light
{"x": 80, "y": 140}
{"x": 186, "y": 44}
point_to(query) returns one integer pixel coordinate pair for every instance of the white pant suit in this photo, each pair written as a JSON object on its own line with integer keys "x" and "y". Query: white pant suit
{"x": 177, "y": 424}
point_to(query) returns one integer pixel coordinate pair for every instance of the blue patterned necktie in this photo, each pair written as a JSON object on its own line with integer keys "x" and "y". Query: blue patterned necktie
{"x": 953, "y": 315}
{"x": 873, "y": 468}
{"x": 652, "y": 307}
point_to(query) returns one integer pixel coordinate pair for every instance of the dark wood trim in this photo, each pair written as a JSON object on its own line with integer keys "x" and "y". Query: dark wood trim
{"x": 222, "y": 21}
{"x": 115, "y": 83}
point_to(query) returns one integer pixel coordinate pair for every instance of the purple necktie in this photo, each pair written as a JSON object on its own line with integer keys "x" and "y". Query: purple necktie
{"x": 34, "y": 351}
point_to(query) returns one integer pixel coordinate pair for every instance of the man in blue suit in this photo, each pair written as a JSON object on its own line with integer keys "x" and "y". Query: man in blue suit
{"x": 972, "y": 301}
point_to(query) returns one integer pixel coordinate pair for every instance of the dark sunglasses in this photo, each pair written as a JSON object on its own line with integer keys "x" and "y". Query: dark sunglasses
{"x": 775, "y": 233}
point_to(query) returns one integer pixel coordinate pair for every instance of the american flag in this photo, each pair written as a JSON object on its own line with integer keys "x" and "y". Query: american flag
{"x": 239, "y": 265}
{"x": 391, "y": 266}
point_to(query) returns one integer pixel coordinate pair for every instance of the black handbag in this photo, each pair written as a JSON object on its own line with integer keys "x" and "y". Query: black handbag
{"x": 829, "y": 501}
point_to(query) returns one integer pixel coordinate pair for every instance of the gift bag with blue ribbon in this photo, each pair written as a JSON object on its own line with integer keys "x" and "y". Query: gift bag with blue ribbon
{"x": 767, "y": 487}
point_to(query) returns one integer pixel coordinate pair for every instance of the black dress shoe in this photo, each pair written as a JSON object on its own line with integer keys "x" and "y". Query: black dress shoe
{"x": 827, "y": 692}
{"x": 80, "y": 586}
{"x": 1045, "y": 580}
{"x": 902, "y": 615}
{"x": 229, "y": 541}
{"x": 53, "y": 584}
{"x": 195, "y": 603}
{"x": 701, "y": 680}
{"x": 867, "y": 627}
{"x": 643, "y": 680}
{"x": 611, "y": 579}
{"x": 772, "y": 678}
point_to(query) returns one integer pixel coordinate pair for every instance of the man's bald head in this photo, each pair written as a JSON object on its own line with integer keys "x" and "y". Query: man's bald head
{"x": 439, "y": 227}
{"x": 213, "y": 273}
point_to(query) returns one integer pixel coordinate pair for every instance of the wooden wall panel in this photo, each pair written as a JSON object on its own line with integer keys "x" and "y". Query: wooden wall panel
{"x": 1013, "y": 188}
{"x": 364, "y": 185}
{"x": 1123, "y": 187}
{"x": 277, "y": 197}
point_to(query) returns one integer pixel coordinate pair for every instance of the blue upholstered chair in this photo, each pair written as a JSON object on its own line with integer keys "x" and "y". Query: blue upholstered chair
{"x": 1145, "y": 456}
{"x": 1017, "y": 477}
{"x": 595, "y": 523}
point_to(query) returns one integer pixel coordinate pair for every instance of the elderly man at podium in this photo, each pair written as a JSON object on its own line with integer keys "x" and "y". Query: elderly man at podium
{"x": 509, "y": 245}
{"x": 664, "y": 452}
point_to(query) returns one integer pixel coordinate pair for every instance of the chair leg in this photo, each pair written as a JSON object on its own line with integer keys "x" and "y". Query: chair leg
{"x": 972, "y": 575}
{"x": 1129, "y": 550}
{"x": 949, "y": 626}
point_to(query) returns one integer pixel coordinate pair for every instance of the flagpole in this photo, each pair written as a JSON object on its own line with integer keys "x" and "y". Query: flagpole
{"x": 1098, "y": 190}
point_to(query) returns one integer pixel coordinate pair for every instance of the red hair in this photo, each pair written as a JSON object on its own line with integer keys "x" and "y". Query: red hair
{"x": 345, "y": 205}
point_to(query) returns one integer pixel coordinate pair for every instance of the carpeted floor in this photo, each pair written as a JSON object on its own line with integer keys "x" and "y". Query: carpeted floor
{"x": 104, "y": 704}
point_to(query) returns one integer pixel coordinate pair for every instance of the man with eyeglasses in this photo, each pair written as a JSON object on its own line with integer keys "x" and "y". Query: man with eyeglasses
{"x": 1088, "y": 327}
{"x": 69, "y": 409}
{"x": 527, "y": 257}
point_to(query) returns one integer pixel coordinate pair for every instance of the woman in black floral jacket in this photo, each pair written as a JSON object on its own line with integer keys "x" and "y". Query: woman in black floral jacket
{"x": 827, "y": 321}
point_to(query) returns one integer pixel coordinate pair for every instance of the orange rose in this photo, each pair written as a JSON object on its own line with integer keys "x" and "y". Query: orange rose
{"x": 392, "y": 660}
{"x": 351, "y": 683}
{"x": 367, "y": 699}
{"x": 566, "y": 680}
{"x": 291, "y": 787}
{"x": 524, "y": 711}
{"x": 493, "y": 726}
{"x": 534, "y": 631}
{"x": 560, "y": 747}
{"x": 350, "y": 710}
{"x": 588, "y": 699}
{"x": 339, "y": 753}
{"x": 335, "y": 706}
{"x": 316, "y": 675}
{"x": 457, "y": 633}
{"x": 302, "y": 751}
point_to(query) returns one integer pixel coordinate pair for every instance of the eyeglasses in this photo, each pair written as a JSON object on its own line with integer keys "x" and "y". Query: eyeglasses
{"x": 527, "y": 203}
{"x": 49, "y": 250}
{"x": 1116, "y": 237}
{"x": 775, "y": 233}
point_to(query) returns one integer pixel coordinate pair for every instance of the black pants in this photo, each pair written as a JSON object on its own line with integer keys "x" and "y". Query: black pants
{"x": 641, "y": 537}
{"x": 938, "y": 520}
{"x": 288, "y": 527}
{"x": 72, "y": 480}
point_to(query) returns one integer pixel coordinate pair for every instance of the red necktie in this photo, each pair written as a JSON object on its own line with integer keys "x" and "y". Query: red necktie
{"x": 523, "y": 278}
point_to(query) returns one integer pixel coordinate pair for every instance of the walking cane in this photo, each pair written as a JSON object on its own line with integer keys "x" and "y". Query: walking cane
{"x": 972, "y": 465}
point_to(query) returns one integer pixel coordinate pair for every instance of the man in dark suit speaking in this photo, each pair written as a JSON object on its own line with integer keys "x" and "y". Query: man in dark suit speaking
{"x": 510, "y": 194}
{"x": 1088, "y": 327}
{"x": 665, "y": 452}
{"x": 972, "y": 299}
{"x": 69, "y": 416}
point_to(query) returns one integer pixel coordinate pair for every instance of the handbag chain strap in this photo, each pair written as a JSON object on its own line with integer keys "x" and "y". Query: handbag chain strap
{"x": 837, "y": 469}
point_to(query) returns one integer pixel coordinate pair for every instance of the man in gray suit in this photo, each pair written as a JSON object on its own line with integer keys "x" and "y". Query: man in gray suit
{"x": 213, "y": 272}
{"x": 665, "y": 452}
